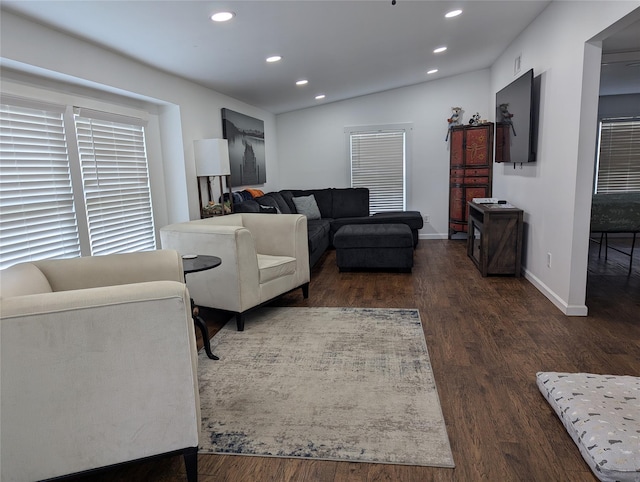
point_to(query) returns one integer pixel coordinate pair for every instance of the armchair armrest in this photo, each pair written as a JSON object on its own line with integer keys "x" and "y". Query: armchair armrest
{"x": 234, "y": 245}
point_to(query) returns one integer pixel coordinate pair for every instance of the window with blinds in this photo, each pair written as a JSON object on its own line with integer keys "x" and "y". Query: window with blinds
{"x": 378, "y": 162}
{"x": 115, "y": 179}
{"x": 71, "y": 184}
{"x": 618, "y": 163}
{"x": 37, "y": 211}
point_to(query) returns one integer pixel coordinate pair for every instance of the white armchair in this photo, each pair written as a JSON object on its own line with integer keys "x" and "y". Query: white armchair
{"x": 263, "y": 256}
{"x": 98, "y": 359}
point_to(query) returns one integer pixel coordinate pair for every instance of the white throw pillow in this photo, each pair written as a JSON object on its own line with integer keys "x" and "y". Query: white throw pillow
{"x": 308, "y": 206}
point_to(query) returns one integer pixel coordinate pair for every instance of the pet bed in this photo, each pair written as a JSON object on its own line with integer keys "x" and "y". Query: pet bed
{"x": 602, "y": 415}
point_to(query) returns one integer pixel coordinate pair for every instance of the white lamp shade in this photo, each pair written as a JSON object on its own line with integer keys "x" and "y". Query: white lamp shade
{"x": 212, "y": 157}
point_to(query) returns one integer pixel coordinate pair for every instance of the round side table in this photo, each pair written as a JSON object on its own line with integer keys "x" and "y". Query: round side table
{"x": 192, "y": 264}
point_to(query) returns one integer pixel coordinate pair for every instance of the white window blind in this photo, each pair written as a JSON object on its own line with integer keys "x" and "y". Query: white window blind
{"x": 378, "y": 163}
{"x": 37, "y": 214}
{"x": 618, "y": 165}
{"x": 71, "y": 184}
{"x": 116, "y": 188}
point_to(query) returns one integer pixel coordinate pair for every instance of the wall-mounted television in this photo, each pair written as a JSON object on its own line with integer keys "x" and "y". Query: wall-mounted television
{"x": 517, "y": 121}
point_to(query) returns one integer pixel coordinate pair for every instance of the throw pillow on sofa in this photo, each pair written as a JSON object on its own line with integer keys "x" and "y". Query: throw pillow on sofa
{"x": 307, "y": 206}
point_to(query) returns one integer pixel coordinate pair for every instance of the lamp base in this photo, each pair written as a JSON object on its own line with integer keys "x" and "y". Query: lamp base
{"x": 215, "y": 209}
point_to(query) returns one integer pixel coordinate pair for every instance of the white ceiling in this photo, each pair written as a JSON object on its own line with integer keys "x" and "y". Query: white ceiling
{"x": 620, "y": 72}
{"x": 344, "y": 48}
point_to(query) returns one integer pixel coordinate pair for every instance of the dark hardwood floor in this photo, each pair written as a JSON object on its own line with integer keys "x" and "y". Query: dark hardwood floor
{"x": 487, "y": 338}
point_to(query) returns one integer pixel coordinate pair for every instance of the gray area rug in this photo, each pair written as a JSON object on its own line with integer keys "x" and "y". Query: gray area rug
{"x": 348, "y": 384}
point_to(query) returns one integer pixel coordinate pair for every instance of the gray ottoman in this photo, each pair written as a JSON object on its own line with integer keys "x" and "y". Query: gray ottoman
{"x": 374, "y": 246}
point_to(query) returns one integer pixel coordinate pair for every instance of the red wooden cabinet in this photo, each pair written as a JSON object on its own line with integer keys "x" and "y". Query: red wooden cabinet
{"x": 470, "y": 171}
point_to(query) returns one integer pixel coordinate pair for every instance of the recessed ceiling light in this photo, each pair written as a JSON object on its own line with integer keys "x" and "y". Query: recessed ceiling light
{"x": 302, "y": 82}
{"x": 432, "y": 71}
{"x": 222, "y": 16}
{"x": 274, "y": 58}
{"x": 453, "y": 13}
{"x": 439, "y": 49}
{"x": 320, "y": 96}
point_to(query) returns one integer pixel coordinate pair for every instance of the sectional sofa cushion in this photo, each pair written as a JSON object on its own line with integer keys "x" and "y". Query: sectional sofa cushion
{"x": 276, "y": 199}
{"x": 350, "y": 202}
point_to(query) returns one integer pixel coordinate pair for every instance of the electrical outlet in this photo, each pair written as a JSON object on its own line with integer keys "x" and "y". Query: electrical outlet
{"x": 427, "y": 218}
{"x": 548, "y": 260}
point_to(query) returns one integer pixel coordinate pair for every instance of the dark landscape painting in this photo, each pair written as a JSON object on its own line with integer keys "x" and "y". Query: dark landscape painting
{"x": 246, "y": 148}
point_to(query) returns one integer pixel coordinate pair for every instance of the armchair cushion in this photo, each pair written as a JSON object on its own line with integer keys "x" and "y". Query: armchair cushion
{"x": 272, "y": 267}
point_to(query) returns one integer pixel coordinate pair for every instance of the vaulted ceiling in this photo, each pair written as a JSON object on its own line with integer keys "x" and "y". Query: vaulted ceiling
{"x": 343, "y": 48}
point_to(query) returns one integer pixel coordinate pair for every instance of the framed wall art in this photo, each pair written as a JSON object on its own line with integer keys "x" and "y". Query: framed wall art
{"x": 245, "y": 136}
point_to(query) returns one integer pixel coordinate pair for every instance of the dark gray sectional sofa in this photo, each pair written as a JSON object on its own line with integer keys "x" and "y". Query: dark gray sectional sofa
{"x": 338, "y": 207}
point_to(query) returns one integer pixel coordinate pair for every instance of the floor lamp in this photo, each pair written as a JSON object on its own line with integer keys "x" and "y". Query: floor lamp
{"x": 212, "y": 160}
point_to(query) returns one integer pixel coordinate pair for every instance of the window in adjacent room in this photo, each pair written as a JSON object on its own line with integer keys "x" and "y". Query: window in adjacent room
{"x": 378, "y": 159}
{"x": 618, "y": 162}
{"x": 71, "y": 183}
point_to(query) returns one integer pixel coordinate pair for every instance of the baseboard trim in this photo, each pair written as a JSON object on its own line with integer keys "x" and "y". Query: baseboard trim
{"x": 433, "y": 236}
{"x": 568, "y": 310}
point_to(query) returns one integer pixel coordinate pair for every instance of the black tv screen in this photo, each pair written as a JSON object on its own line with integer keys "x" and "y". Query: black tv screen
{"x": 516, "y": 121}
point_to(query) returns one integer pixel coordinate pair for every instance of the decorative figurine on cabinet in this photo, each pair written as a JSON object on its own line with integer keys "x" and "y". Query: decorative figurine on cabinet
{"x": 475, "y": 119}
{"x": 454, "y": 120}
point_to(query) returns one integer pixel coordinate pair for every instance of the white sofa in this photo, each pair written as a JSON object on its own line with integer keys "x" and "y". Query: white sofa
{"x": 98, "y": 360}
{"x": 262, "y": 256}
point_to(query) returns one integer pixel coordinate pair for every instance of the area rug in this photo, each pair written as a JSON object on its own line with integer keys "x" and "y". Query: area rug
{"x": 347, "y": 384}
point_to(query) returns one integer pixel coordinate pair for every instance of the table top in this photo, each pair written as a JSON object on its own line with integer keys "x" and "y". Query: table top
{"x": 484, "y": 207}
{"x": 201, "y": 262}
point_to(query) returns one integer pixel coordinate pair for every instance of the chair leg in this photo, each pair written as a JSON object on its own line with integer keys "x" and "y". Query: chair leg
{"x": 239, "y": 321}
{"x": 190, "y": 456}
{"x": 305, "y": 291}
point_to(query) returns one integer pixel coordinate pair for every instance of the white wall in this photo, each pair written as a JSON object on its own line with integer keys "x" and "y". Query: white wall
{"x": 313, "y": 150}
{"x": 555, "y": 192}
{"x": 186, "y": 111}
{"x": 619, "y": 105}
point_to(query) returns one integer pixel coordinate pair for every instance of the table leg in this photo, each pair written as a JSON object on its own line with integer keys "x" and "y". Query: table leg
{"x": 203, "y": 330}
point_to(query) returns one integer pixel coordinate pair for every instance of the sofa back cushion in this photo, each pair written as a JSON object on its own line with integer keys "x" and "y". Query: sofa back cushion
{"x": 350, "y": 202}
{"x": 23, "y": 279}
{"x": 275, "y": 199}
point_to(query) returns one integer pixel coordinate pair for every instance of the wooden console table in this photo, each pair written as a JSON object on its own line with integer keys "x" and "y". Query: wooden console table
{"x": 495, "y": 238}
